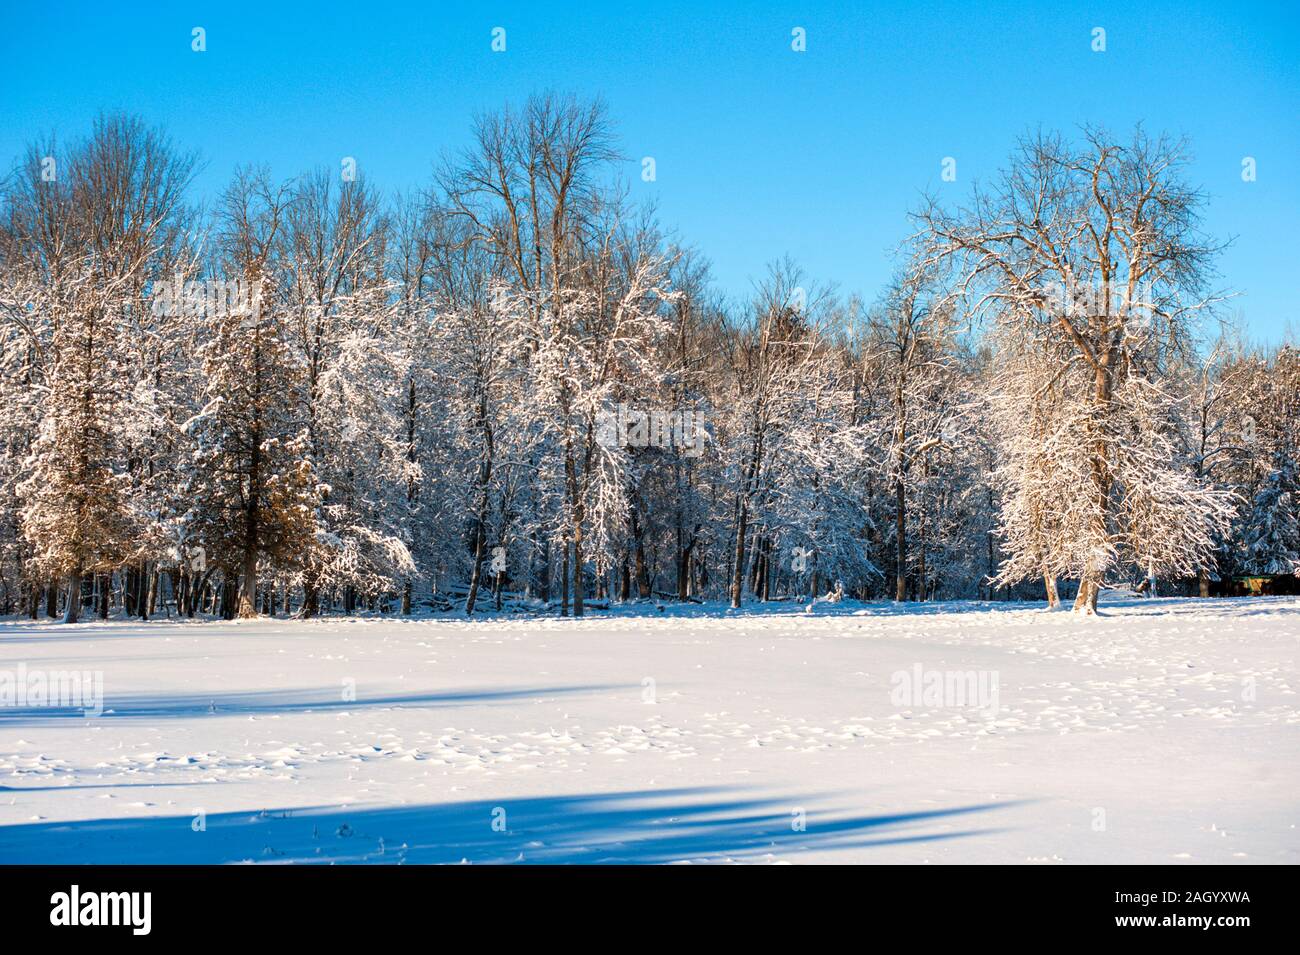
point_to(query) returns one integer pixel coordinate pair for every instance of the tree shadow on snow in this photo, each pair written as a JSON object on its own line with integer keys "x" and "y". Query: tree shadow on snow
{"x": 649, "y": 826}
{"x": 281, "y": 702}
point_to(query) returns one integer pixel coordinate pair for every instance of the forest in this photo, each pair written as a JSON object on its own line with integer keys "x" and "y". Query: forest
{"x": 514, "y": 388}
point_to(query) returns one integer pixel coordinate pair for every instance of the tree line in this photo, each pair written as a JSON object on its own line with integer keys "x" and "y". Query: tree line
{"x": 514, "y": 387}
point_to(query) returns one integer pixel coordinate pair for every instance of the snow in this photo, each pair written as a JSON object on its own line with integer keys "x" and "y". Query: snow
{"x": 1163, "y": 730}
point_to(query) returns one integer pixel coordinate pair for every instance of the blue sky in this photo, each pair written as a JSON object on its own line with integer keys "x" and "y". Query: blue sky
{"x": 760, "y": 151}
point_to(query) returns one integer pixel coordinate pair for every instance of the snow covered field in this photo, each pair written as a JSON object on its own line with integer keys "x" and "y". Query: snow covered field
{"x": 1164, "y": 731}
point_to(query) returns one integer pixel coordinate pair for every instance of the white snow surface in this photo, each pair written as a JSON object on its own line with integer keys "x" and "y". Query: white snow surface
{"x": 1162, "y": 731}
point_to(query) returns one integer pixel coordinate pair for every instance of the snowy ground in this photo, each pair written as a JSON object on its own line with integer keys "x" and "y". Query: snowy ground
{"x": 1165, "y": 731}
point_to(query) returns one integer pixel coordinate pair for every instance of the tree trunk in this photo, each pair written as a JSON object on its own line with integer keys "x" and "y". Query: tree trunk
{"x": 900, "y": 541}
{"x": 130, "y": 591}
{"x": 1086, "y": 601}
{"x": 412, "y": 457}
{"x": 476, "y": 572}
{"x": 578, "y": 606}
{"x": 73, "y": 609}
{"x": 1053, "y": 598}
{"x": 738, "y": 565}
{"x": 544, "y": 582}
{"x": 564, "y": 582}
{"x": 922, "y": 572}
{"x": 1090, "y": 585}
{"x": 684, "y": 573}
{"x": 310, "y": 596}
{"x": 248, "y": 591}
{"x": 228, "y": 597}
{"x": 150, "y": 592}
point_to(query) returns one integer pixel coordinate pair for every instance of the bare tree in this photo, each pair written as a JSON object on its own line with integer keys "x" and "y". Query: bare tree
{"x": 1095, "y": 246}
{"x": 909, "y": 338}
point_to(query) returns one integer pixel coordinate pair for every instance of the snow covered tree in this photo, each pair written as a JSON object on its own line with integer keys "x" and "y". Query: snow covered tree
{"x": 254, "y": 486}
{"x": 1095, "y": 247}
{"x": 516, "y": 382}
{"x": 1269, "y": 535}
{"x": 910, "y": 345}
{"x": 92, "y": 230}
{"x": 339, "y": 311}
{"x": 769, "y": 360}
{"x": 1036, "y": 474}
{"x": 535, "y": 187}
{"x": 475, "y": 336}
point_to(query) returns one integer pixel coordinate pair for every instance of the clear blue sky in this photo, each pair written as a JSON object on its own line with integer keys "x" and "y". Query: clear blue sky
{"x": 760, "y": 151}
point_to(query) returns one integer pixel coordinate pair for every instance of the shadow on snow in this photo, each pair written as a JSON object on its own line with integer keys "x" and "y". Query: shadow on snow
{"x": 280, "y": 702}
{"x": 648, "y": 826}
